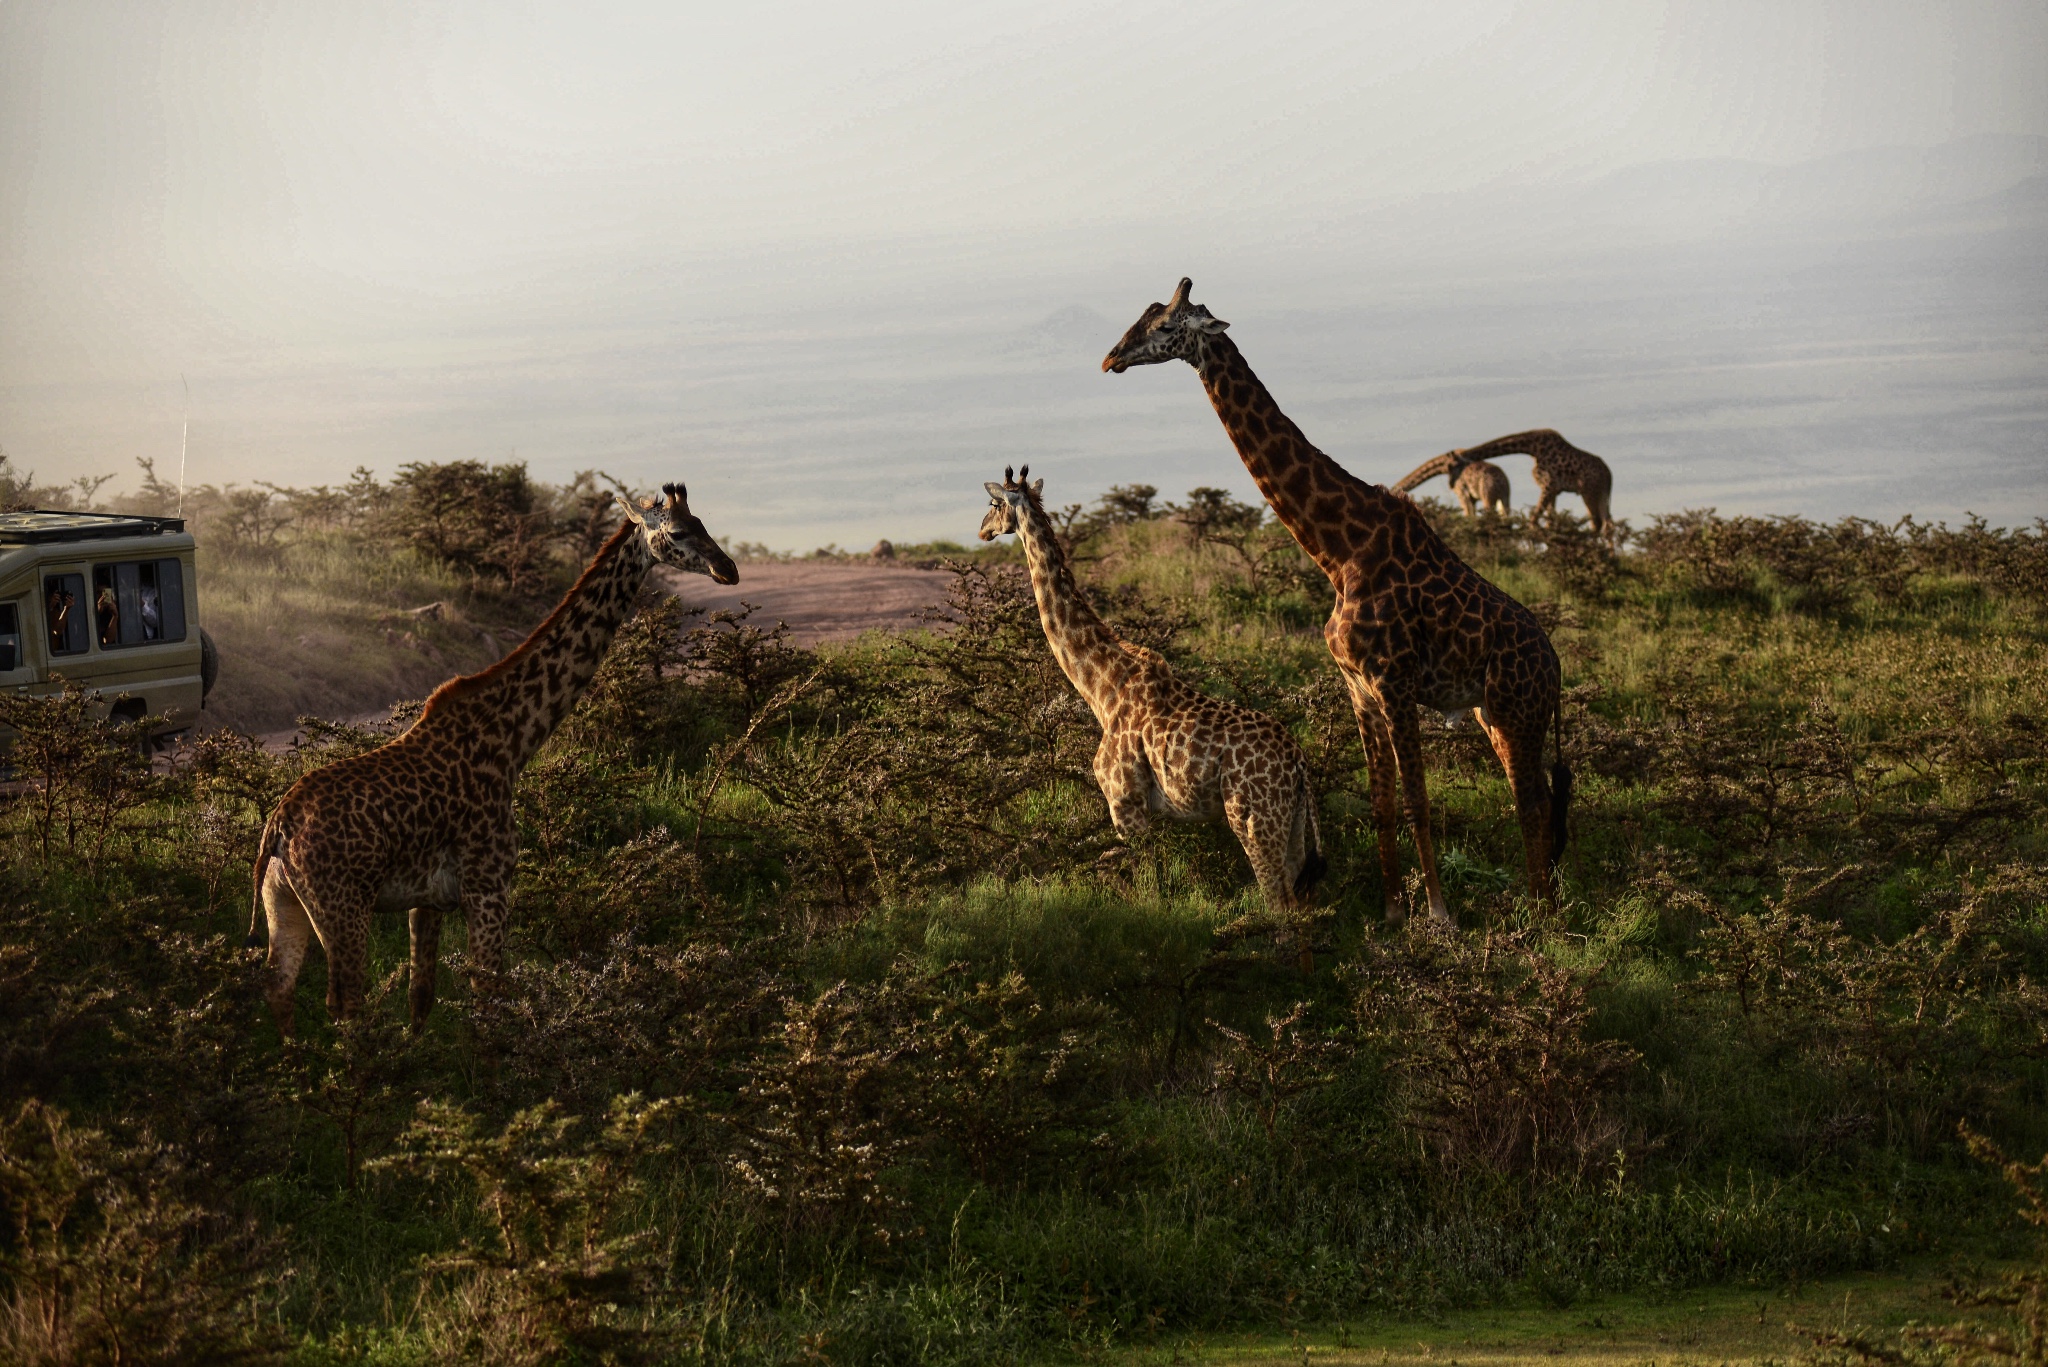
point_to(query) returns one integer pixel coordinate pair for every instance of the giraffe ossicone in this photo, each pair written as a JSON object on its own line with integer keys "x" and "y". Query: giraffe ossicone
{"x": 1168, "y": 750}
{"x": 1413, "y": 625}
{"x": 423, "y": 824}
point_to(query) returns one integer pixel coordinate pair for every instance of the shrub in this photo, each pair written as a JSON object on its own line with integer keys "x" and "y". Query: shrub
{"x": 554, "y": 1276}
{"x": 1491, "y": 1039}
{"x": 109, "y": 1261}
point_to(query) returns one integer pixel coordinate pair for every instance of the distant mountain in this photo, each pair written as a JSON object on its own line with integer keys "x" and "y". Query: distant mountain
{"x": 1968, "y": 184}
{"x": 1076, "y": 330}
{"x": 1873, "y": 185}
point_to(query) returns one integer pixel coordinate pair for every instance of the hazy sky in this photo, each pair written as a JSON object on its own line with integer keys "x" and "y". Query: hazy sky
{"x": 337, "y": 218}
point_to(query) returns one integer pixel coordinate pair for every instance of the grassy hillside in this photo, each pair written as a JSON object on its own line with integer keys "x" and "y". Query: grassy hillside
{"x": 840, "y": 1030}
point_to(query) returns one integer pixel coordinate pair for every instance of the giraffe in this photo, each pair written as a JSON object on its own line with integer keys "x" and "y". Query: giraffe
{"x": 1167, "y": 749}
{"x": 423, "y": 824}
{"x": 1558, "y": 467}
{"x": 1477, "y": 483}
{"x": 1413, "y": 624}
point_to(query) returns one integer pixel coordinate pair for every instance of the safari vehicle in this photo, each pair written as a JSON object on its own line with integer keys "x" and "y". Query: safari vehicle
{"x": 107, "y": 601}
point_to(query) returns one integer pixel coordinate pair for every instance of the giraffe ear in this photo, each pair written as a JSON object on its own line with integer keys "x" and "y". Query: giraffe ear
{"x": 632, "y": 513}
{"x": 1204, "y": 321}
{"x": 1037, "y": 487}
{"x": 995, "y": 490}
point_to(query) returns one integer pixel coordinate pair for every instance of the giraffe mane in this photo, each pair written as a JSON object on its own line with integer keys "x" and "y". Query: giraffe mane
{"x": 462, "y": 685}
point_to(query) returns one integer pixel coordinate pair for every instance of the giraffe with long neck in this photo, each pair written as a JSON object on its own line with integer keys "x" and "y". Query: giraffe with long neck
{"x": 423, "y": 824}
{"x": 1477, "y": 483}
{"x": 1557, "y": 466}
{"x": 1413, "y": 626}
{"x": 1167, "y": 749}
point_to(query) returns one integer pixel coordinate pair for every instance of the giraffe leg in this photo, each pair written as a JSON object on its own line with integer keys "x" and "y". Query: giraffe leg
{"x": 425, "y": 924}
{"x": 486, "y": 880}
{"x": 1545, "y": 505}
{"x": 488, "y": 913}
{"x": 291, "y": 930}
{"x": 1407, "y": 742}
{"x": 1386, "y": 814}
{"x": 1264, "y": 838}
{"x": 1263, "y": 830}
{"x": 1471, "y": 504}
{"x": 1125, "y": 777}
{"x": 347, "y": 942}
{"x": 1521, "y": 756}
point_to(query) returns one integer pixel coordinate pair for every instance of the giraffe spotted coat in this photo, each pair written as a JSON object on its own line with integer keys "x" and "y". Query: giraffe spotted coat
{"x": 1413, "y": 625}
{"x": 424, "y": 823}
{"x": 1477, "y": 483}
{"x": 1168, "y": 750}
{"x": 1557, "y": 466}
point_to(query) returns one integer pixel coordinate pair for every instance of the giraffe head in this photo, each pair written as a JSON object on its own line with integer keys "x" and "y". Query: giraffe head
{"x": 1006, "y": 502}
{"x": 675, "y": 537}
{"x": 1164, "y": 332}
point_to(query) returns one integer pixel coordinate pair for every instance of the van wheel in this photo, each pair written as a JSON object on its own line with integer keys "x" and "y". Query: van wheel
{"x": 209, "y": 665}
{"x": 128, "y": 712}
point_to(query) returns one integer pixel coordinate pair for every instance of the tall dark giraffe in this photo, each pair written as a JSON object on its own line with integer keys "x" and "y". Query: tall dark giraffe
{"x": 1413, "y": 624}
{"x": 424, "y": 823}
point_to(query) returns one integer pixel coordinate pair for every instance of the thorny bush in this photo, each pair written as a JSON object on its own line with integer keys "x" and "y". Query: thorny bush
{"x": 925, "y": 1071}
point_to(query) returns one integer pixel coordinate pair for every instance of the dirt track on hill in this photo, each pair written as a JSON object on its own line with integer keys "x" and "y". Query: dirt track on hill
{"x": 822, "y": 600}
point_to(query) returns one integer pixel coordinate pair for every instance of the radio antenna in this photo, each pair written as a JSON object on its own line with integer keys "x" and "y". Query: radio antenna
{"x": 184, "y": 439}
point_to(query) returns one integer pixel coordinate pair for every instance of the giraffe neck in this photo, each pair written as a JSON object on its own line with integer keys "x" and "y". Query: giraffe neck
{"x": 1450, "y": 464}
{"x": 1089, "y": 653}
{"x": 513, "y": 707}
{"x": 1311, "y": 494}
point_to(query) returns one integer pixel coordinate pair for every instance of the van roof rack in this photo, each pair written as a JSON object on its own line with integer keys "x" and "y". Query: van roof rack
{"x": 38, "y": 526}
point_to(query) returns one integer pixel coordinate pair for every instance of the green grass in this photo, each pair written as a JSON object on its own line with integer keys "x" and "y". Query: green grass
{"x": 1802, "y": 908}
{"x": 1756, "y": 1325}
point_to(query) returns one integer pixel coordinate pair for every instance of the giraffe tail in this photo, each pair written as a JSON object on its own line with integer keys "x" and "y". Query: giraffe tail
{"x": 266, "y": 850}
{"x": 1560, "y": 794}
{"x": 1313, "y": 864}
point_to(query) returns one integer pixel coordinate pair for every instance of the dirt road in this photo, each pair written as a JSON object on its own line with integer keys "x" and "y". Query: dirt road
{"x": 822, "y": 600}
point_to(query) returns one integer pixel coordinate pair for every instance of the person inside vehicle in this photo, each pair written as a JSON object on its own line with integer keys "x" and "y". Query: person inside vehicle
{"x": 109, "y": 610}
{"x": 152, "y": 614}
{"x": 58, "y": 614}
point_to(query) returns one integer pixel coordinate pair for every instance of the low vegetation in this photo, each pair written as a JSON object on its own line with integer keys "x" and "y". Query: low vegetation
{"x": 840, "y": 1028}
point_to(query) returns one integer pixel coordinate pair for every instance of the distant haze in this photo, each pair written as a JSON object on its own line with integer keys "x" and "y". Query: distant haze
{"x": 836, "y": 265}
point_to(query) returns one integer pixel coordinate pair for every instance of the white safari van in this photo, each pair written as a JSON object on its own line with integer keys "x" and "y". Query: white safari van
{"x": 109, "y": 601}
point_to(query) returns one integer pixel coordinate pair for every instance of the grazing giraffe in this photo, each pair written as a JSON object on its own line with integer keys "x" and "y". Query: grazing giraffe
{"x": 1413, "y": 624}
{"x": 423, "y": 824}
{"x": 1557, "y": 466}
{"x": 1477, "y": 483}
{"x": 1167, "y": 749}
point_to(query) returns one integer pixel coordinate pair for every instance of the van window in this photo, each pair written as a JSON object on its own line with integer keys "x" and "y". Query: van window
{"x": 136, "y": 602}
{"x": 10, "y": 637}
{"x": 66, "y": 610}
